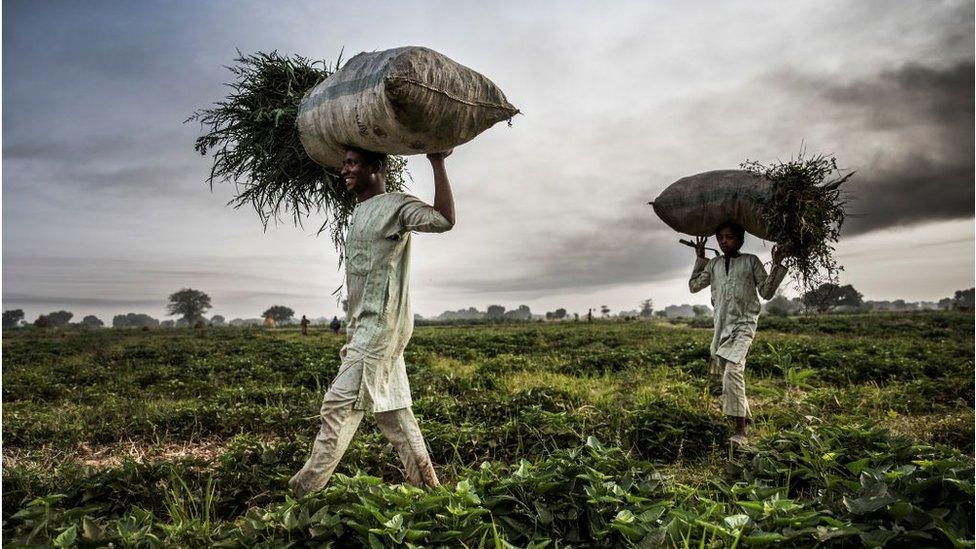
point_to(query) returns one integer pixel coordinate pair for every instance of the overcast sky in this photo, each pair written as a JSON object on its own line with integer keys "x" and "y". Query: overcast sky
{"x": 106, "y": 209}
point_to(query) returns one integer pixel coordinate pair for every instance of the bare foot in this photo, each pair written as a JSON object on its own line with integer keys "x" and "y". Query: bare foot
{"x": 297, "y": 486}
{"x": 739, "y": 440}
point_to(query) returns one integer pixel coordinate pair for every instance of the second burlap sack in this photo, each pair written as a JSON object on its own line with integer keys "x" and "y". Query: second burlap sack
{"x": 402, "y": 101}
{"x": 698, "y": 204}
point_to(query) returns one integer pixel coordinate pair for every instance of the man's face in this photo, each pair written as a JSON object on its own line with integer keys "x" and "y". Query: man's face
{"x": 728, "y": 241}
{"x": 356, "y": 174}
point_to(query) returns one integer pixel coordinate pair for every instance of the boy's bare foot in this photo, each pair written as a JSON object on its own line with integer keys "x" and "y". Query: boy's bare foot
{"x": 739, "y": 440}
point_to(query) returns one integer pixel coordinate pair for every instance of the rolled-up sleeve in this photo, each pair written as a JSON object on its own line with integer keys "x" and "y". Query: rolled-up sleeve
{"x": 416, "y": 215}
{"x": 701, "y": 277}
{"x": 766, "y": 284}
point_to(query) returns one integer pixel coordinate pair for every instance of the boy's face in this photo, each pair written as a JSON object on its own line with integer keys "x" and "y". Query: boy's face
{"x": 728, "y": 241}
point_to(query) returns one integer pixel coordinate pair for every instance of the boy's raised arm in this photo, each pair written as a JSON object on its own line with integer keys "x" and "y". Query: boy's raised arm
{"x": 700, "y": 276}
{"x": 766, "y": 284}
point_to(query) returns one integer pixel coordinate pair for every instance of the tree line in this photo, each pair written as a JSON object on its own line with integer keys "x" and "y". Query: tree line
{"x": 190, "y": 305}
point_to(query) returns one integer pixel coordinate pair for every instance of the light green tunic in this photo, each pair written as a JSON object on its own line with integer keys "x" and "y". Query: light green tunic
{"x": 379, "y": 320}
{"x": 734, "y": 299}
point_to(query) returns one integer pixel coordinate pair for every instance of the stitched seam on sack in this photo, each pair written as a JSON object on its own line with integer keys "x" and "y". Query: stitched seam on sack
{"x": 473, "y": 103}
{"x": 712, "y": 195}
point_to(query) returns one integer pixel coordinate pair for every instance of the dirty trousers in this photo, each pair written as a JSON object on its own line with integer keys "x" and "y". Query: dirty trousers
{"x": 734, "y": 402}
{"x": 339, "y": 424}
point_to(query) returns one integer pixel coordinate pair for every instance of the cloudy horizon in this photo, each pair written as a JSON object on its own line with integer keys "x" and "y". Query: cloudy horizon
{"x": 106, "y": 210}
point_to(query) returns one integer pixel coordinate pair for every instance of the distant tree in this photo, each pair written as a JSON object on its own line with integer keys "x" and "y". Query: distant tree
{"x": 12, "y": 317}
{"x": 167, "y": 324}
{"x": 647, "y": 308}
{"x": 495, "y": 312}
{"x": 963, "y": 300}
{"x": 92, "y": 321}
{"x": 134, "y": 320}
{"x": 521, "y": 313}
{"x": 59, "y": 318}
{"x": 189, "y": 304}
{"x": 43, "y": 322}
{"x": 604, "y": 310}
{"x": 217, "y": 320}
{"x": 558, "y": 314}
{"x": 279, "y": 313}
{"x": 830, "y": 296}
{"x": 778, "y": 306}
{"x": 661, "y": 314}
{"x": 700, "y": 311}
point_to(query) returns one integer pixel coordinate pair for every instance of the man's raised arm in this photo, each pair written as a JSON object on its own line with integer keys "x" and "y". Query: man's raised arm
{"x": 443, "y": 197}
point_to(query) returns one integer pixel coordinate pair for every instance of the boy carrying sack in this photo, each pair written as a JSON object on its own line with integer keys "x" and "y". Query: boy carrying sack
{"x": 735, "y": 279}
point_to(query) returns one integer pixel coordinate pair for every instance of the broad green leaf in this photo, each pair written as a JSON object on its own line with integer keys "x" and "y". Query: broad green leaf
{"x": 66, "y": 538}
{"x": 877, "y": 538}
{"x": 736, "y": 522}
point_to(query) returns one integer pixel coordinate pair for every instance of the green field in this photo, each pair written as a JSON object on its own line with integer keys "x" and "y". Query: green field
{"x": 559, "y": 435}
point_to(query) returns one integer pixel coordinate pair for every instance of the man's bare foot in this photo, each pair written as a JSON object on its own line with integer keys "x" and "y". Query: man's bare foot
{"x": 739, "y": 440}
{"x": 296, "y": 485}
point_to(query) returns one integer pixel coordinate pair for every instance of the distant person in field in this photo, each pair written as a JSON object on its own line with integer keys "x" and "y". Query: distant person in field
{"x": 304, "y": 324}
{"x": 735, "y": 279}
{"x": 269, "y": 322}
{"x": 335, "y": 325}
{"x": 379, "y": 323}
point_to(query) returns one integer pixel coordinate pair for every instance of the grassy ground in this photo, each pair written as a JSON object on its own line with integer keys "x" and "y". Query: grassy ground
{"x": 577, "y": 434}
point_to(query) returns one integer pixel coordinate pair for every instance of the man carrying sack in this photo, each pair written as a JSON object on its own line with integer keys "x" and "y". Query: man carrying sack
{"x": 372, "y": 376}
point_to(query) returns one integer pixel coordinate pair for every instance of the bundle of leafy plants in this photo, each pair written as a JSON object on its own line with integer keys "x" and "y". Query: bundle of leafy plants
{"x": 253, "y": 136}
{"x": 804, "y": 213}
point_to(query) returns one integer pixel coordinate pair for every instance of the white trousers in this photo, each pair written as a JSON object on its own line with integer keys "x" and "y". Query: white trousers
{"x": 339, "y": 424}
{"x": 734, "y": 401}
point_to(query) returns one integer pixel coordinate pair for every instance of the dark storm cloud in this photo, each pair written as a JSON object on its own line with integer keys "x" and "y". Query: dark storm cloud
{"x": 928, "y": 172}
{"x": 622, "y": 251}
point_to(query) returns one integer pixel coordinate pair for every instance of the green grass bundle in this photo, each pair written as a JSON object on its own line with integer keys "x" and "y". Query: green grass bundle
{"x": 255, "y": 143}
{"x": 804, "y": 212}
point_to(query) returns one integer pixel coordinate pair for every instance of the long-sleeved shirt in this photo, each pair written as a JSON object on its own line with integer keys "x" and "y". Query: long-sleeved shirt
{"x": 734, "y": 299}
{"x": 379, "y": 320}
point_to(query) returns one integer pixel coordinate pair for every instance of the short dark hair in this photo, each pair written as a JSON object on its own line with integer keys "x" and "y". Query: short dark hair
{"x": 380, "y": 161}
{"x": 738, "y": 230}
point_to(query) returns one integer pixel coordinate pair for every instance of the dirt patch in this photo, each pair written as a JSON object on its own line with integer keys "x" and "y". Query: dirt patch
{"x": 955, "y": 429}
{"x": 112, "y": 455}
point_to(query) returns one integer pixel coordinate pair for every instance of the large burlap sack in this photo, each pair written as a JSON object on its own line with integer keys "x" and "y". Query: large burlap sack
{"x": 401, "y": 101}
{"x": 698, "y": 204}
